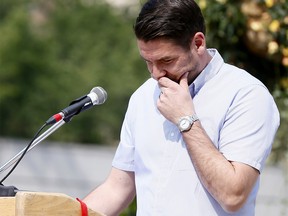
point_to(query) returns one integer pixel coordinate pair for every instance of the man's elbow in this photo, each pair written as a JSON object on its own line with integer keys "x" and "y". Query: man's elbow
{"x": 233, "y": 203}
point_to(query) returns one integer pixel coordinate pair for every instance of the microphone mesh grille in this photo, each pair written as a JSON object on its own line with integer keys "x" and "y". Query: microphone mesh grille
{"x": 101, "y": 93}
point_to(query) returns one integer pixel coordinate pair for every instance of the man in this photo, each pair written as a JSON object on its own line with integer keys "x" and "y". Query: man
{"x": 196, "y": 135}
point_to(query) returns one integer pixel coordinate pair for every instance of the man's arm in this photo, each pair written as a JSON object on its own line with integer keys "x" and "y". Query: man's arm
{"x": 114, "y": 195}
{"x": 230, "y": 183}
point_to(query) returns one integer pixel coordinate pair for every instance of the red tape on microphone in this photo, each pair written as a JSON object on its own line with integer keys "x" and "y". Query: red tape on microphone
{"x": 84, "y": 209}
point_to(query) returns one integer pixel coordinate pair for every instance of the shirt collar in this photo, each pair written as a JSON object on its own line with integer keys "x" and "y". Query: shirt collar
{"x": 209, "y": 71}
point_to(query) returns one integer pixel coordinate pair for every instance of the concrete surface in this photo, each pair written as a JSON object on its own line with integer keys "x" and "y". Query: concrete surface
{"x": 76, "y": 169}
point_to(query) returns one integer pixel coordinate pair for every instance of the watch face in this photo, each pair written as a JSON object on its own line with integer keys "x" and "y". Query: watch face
{"x": 184, "y": 124}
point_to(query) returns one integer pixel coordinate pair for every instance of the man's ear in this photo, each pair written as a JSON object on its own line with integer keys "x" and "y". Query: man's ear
{"x": 199, "y": 41}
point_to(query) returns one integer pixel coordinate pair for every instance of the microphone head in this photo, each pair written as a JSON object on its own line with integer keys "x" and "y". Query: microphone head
{"x": 101, "y": 94}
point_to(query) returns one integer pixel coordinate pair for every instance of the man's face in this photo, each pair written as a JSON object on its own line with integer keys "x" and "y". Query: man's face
{"x": 165, "y": 59}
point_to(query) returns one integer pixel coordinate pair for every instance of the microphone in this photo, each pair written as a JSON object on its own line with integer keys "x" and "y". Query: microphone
{"x": 97, "y": 96}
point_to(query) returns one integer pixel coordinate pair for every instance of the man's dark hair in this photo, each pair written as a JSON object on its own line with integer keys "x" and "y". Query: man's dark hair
{"x": 177, "y": 20}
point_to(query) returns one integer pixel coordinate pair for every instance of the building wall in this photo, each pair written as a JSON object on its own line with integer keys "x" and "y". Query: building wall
{"x": 76, "y": 169}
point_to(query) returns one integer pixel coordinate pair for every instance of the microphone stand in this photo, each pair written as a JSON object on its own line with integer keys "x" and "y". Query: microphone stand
{"x": 39, "y": 139}
{"x": 10, "y": 191}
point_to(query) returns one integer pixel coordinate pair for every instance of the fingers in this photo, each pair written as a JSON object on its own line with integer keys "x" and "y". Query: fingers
{"x": 184, "y": 80}
{"x": 164, "y": 82}
{"x": 174, "y": 98}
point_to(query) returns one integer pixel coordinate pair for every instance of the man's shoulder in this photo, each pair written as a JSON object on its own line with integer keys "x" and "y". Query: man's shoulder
{"x": 238, "y": 76}
{"x": 147, "y": 87}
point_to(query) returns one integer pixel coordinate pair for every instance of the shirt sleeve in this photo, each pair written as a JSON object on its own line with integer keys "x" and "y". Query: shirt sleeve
{"x": 250, "y": 126}
{"x": 124, "y": 156}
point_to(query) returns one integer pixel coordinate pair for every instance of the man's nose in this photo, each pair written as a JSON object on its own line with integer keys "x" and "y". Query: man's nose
{"x": 157, "y": 72}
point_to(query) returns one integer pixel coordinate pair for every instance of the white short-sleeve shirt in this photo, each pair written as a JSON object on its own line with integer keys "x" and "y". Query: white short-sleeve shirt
{"x": 237, "y": 112}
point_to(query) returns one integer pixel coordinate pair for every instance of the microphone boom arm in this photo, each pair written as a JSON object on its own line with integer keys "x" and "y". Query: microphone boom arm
{"x": 39, "y": 139}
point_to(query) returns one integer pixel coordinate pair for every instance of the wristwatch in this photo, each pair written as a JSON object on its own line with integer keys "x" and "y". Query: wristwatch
{"x": 186, "y": 122}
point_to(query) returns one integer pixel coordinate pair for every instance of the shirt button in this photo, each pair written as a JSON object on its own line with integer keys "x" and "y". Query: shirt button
{"x": 172, "y": 134}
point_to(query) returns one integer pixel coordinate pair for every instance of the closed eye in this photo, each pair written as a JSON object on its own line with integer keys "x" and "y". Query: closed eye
{"x": 166, "y": 61}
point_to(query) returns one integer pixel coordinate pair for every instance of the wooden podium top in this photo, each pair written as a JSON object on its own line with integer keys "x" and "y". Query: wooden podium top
{"x": 44, "y": 204}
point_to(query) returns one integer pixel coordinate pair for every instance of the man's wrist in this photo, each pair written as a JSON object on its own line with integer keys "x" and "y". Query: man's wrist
{"x": 185, "y": 123}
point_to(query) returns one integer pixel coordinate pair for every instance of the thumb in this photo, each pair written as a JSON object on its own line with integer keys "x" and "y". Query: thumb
{"x": 184, "y": 80}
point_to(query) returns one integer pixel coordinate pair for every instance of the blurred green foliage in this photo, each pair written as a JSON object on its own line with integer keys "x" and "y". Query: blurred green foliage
{"x": 253, "y": 35}
{"x": 52, "y": 52}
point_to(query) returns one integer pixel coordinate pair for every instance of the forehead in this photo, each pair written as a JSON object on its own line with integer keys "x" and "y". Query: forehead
{"x": 158, "y": 49}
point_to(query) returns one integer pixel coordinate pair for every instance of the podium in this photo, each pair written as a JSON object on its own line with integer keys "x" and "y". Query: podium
{"x": 39, "y": 203}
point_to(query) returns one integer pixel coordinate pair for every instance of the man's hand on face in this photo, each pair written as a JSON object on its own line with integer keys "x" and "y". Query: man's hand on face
{"x": 175, "y": 100}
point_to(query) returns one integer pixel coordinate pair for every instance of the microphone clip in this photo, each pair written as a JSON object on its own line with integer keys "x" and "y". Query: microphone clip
{"x": 75, "y": 107}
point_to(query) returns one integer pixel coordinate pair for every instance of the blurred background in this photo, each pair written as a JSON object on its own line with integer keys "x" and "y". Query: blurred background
{"x": 54, "y": 51}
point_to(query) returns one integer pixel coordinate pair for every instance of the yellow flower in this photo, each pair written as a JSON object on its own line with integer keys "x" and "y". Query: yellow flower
{"x": 273, "y": 47}
{"x": 285, "y": 51}
{"x": 269, "y": 3}
{"x": 256, "y": 25}
{"x": 285, "y": 20}
{"x": 202, "y": 4}
{"x": 274, "y": 26}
